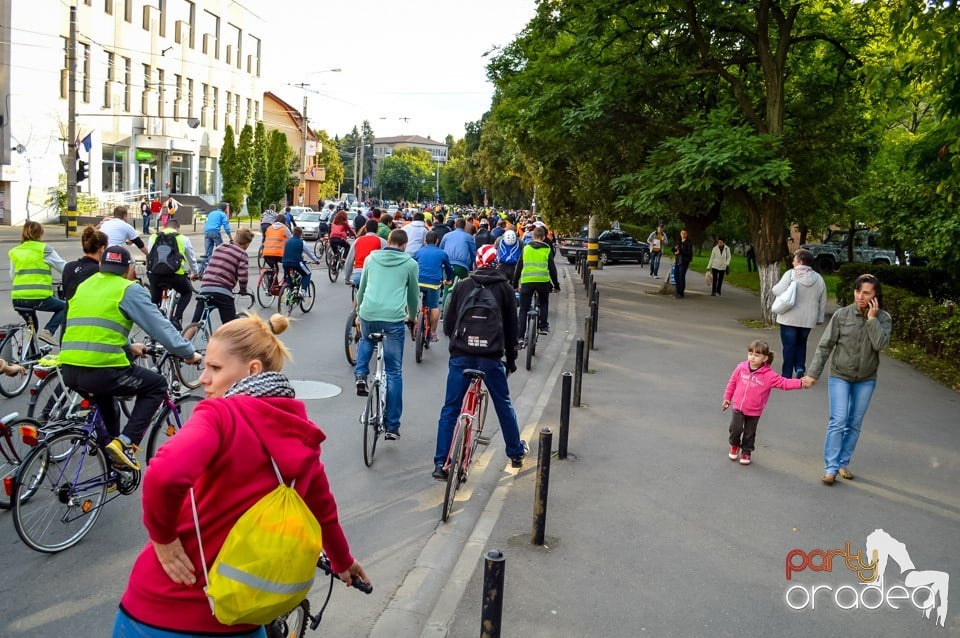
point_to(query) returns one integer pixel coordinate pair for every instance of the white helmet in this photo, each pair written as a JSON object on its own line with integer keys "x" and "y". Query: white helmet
{"x": 510, "y": 238}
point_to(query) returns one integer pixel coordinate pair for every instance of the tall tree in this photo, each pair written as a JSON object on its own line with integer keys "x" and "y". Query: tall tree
{"x": 279, "y": 155}
{"x": 329, "y": 160}
{"x": 231, "y": 171}
{"x": 258, "y": 186}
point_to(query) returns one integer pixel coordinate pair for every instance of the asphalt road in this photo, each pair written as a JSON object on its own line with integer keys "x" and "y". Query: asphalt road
{"x": 389, "y": 511}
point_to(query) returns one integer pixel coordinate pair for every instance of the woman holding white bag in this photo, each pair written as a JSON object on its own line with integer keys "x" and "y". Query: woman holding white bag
{"x": 808, "y": 310}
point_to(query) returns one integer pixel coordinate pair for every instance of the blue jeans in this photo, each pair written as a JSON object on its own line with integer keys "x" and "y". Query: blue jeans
{"x": 794, "y": 342}
{"x": 655, "y": 263}
{"x": 126, "y": 627}
{"x": 457, "y": 384}
{"x": 146, "y": 224}
{"x": 210, "y": 241}
{"x": 51, "y": 304}
{"x": 393, "y": 337}
{"x": 848, "y": 405}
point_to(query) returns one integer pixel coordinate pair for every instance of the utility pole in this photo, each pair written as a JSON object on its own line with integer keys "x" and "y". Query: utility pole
{"x": 72, "y": 126}
{"x": 303, "y": 143}
{"x": 360, "y": 192}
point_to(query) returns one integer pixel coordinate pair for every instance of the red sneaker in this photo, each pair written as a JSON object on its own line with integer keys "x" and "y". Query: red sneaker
{"x": 745, "y": 458}
{"x": 734, "y": 452}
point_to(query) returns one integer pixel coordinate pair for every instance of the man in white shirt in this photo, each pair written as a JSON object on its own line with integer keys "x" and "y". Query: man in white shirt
{"x": 119, "y": 232}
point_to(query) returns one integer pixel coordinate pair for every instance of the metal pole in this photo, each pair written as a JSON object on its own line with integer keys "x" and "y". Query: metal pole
{"x": 360, "y": 192}
{"x": 492, "y": 611}
{"x": 587, "y": 331}
{"x": 566, "y": 383}
{"x": 72, "y": 127}
{"x": 596, "y": 315}
{"x": 578, "y": 372}
{"x": 543, "y": 486}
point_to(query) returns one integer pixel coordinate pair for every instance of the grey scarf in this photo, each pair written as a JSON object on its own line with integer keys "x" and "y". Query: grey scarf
{"x": 265, "y": 384}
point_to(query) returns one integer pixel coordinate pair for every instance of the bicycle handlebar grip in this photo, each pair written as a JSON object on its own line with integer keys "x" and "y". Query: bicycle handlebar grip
{"x": 324, "y": 564}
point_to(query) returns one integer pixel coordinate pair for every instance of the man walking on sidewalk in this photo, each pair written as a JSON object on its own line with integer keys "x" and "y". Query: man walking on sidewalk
{"x": 682, "y": 256}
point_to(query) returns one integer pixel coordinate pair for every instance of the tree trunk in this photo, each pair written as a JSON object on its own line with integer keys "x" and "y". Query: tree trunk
{"x": 767, "y": 218}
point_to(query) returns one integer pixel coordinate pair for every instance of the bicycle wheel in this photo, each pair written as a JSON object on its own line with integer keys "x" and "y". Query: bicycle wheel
{"x": 371, "y": 420}
{"x": 168, "y": 422}
{"x": 188, "y": 373}
{"x": 453, "y": 471}
{"x": 287, "y": 299}
{"x": 421, "y": 334}
{"x": 55, "y": 504}
{"x": 320, "y": 247}
{"x": 333, "y": 264}
{"x": 265, "y": 289}
{"x": 351, "y": 337}
{"x": 14, "y": 350}
{"x": 260, "y": 257}
{"x": 531, "y": 338}
{"x": 13, "y": 452}
{"x": 306, "y": 303}
{"x": 292, "y": 624}
{"x": 47, "y": 399}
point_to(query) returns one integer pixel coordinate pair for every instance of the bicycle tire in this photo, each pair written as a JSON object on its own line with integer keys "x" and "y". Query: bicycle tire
{"x": 333, "y": 265}
{"x": 260, "y": 256}
{"x": 306, "y": 303}
{"x": 38, "y": 516}
{"x": 421, "y": 335}
{"x": 453, "y": 471}
{"x": 371, "y": 423}
{"x": 285, "y": 300}
{"x": 47, "y": 400}
{"x": 351, "y": 338}
{"x": 189, "y": 373}
{"x": 292, "y": 624}
{"x": 531, "y": 339}
{"x": 166, "y": 423}
{"x": 13, "y": 349}
{"x": 264, "y": 284}
{"x": 320, "y": 247}
{"x": 13, "y": 452}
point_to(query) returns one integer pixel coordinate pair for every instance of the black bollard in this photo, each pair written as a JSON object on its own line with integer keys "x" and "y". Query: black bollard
{"x": 596, "y": 310}
{"x": 565, "y": 385}
{"x": 578, "y": 381}
{"x": 587, "y": 332}
{"x": 543, "y": 486}
{"x": 593, "y": 325}
{"x": 492, "y": 611}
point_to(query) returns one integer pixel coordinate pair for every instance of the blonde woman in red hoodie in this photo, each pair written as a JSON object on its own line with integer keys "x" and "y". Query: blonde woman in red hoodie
{"x": 748, "y": 391}
{"x": 224, "y": 452}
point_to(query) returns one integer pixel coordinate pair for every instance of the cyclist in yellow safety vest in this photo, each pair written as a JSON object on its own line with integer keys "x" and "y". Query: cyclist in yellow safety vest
{"x": 535, "y": 273}
{"x": 95, "y": 355}
{"x": 30, "y": 271}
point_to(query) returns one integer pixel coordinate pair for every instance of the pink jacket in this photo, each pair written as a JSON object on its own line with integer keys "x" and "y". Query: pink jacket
{"x": 221, "y": 453}
{"x": 748, "y": 390}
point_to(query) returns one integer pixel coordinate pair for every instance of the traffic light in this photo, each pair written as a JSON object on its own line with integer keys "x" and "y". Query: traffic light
{"x": 81, "y": 170}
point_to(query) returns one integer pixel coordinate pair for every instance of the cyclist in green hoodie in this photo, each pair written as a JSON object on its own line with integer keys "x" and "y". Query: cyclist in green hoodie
{"x": 388, "y": 296}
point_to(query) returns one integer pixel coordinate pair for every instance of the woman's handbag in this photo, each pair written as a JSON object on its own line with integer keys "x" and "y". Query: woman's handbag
{"x": 787, "y": 299}
{"x": 708, "y": 278}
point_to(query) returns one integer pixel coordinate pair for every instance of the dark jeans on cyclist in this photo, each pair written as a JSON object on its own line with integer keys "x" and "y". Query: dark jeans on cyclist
{"x": 496, "y": 381}
{"x": 526, "y": 297}
{"x": 393, "y": 338}
{"x": 179, "y": 283}
{"x": 103, "y": 384}
{"x": 223, "y": 303}
{"x": 303, "y": 269}
{"x": 340, "y": 244}
{"x": 55, "y": 305}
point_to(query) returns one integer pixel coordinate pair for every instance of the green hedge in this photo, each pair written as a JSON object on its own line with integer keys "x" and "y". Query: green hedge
{"x": 938, "y": 285}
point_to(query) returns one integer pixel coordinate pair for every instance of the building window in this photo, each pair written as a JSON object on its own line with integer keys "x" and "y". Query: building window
{"x": 190, "y": 110}
{"x": 180, "y": 172}
{"x": 161, "y": 92}
{"x": 236, "y": 112}
{"x": 108, "y": 7}
{"x": 208, "y": 177}
{"x": 256, "y": 110}
{"x": 205, "y": 107}
{"x": 113, "y": 157}
{"x": 178, "y": 100}
{"x": 145, "y": 96}
{"x": 128, "y": 10}
{"x": 228, "y": 107}
{"x": 85, "y": 70}
{"x": 250, "y": 117}
{"x": 111, "y": 78}
{"x": 127, "y": 79}
{"x": 216, "y": 114}
{"x": 162, "y": 6}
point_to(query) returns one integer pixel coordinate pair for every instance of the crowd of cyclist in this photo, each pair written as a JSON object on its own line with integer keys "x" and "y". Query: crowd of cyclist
{"x": 392, "y": 262}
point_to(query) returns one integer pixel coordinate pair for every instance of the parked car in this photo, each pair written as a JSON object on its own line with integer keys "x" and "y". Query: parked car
{"x": 867, "y": 248}
{"x": 310, "y": 223}
{"x": 615, "y": 245}
{"x": 297, "y": 211}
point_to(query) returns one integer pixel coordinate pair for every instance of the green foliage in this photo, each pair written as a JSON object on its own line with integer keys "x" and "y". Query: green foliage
{"x": 234, "y": 171}
{"x": 406, "y": 174}
{"x": 329, "y": 159}
{"x": 258, "y": 185}
{"x": 86, "y": 204}
{"x": 931, "y": 326}
{"x": 938, "y": 285}
{"x": 279, "y": 155}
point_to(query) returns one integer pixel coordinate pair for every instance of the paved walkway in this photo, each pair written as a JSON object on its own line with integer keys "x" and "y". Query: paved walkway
{"x": 651, "y": 530}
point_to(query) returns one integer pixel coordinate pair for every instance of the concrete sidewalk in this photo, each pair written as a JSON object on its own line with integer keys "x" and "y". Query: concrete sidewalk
{"x": 651, "y": 530}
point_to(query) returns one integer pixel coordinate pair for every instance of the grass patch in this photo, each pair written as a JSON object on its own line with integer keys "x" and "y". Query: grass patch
{"x": 740, "y": 278}
{"x": 944, "y": 371}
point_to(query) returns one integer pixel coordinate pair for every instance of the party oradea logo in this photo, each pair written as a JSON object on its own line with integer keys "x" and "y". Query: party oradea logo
{"x": 925, "y": 590}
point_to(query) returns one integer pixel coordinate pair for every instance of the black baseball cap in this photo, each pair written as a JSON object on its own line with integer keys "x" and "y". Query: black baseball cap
{"x": 115, "y": 259}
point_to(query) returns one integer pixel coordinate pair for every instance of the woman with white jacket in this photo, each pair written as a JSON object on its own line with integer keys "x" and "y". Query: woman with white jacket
{"x": 718, "y": 264}
{"x": 808, "y": 311}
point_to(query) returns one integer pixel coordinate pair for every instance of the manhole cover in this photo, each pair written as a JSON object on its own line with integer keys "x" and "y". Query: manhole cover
{"x": 314, "y": 389}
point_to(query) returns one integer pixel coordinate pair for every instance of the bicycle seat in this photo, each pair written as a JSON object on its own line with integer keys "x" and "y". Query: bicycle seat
{"x": 28, "y": 314}
{"x": 203, "y": 297}
{"x": 375, "y": 336}
{"x": 474, "y": 374}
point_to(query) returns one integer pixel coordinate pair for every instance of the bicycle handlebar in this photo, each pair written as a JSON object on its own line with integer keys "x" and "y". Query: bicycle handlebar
{"x": 324, "y": 564}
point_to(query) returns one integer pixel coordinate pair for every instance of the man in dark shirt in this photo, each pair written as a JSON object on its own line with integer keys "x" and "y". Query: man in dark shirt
{"x": 682, "y": 255}
{"x": 76, "y": 272}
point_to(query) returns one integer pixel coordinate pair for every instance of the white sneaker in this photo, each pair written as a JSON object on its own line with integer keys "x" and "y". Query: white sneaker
{"x": 47, "y": 336}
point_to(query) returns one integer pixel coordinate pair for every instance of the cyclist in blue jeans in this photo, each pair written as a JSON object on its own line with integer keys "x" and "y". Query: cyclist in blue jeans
{"x": 488, "y": 361}
{"x": 387, "y": 297}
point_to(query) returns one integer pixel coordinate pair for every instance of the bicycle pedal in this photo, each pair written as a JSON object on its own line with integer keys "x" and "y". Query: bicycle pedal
{"x": 483, "y": 440}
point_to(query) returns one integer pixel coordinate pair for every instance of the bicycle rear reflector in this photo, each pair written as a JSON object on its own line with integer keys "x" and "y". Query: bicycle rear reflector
{"x": 8, "y": 485}
{"x": 29, "y": 435}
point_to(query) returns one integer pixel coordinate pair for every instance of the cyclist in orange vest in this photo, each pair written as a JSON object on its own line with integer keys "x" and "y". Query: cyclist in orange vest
{"x": 274, "y": 239}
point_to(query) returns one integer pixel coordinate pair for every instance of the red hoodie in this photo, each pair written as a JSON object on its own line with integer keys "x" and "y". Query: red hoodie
{"x": 748, "y": 390}
{"x": 220, "y": 452}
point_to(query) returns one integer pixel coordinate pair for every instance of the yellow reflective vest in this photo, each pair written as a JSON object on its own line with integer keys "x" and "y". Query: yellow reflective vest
{"x": 536, "y": 265}
{"x": 32, "y": 278}
{"x": 97, "y": 330}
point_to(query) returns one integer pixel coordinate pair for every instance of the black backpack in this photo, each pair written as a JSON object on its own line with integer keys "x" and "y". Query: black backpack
{"x": 165, "y": 257}
{"x": 479, "y": 328}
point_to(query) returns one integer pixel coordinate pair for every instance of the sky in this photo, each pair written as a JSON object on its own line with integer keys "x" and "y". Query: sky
{"x": 411, "y": 67}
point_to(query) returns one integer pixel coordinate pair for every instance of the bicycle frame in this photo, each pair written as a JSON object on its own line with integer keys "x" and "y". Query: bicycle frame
{"x": 470, "y": 417}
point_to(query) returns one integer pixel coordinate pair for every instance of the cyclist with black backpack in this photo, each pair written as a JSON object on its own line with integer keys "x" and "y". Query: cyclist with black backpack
{"x": 482, "y": 329}
{"x": 165, "y": 267}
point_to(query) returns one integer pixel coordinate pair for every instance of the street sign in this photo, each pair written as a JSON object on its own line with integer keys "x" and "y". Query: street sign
{"x": 143, "y": 156}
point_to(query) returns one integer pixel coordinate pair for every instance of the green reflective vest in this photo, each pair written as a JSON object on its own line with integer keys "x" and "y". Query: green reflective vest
{"x": 536, "y": 265}
{"x": 96, "y": 330}
{"x": 32, "y": 278}
{"x": 179, "y": 247}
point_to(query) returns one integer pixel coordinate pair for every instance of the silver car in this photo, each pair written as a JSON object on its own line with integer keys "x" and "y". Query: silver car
{"x": 310, "y": 223}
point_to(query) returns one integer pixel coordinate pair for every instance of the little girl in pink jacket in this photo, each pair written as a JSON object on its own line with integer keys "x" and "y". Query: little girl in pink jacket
{"x": 748, "y": 391}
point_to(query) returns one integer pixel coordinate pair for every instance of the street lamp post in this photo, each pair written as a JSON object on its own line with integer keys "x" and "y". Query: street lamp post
{"x": 303, "y": 133}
